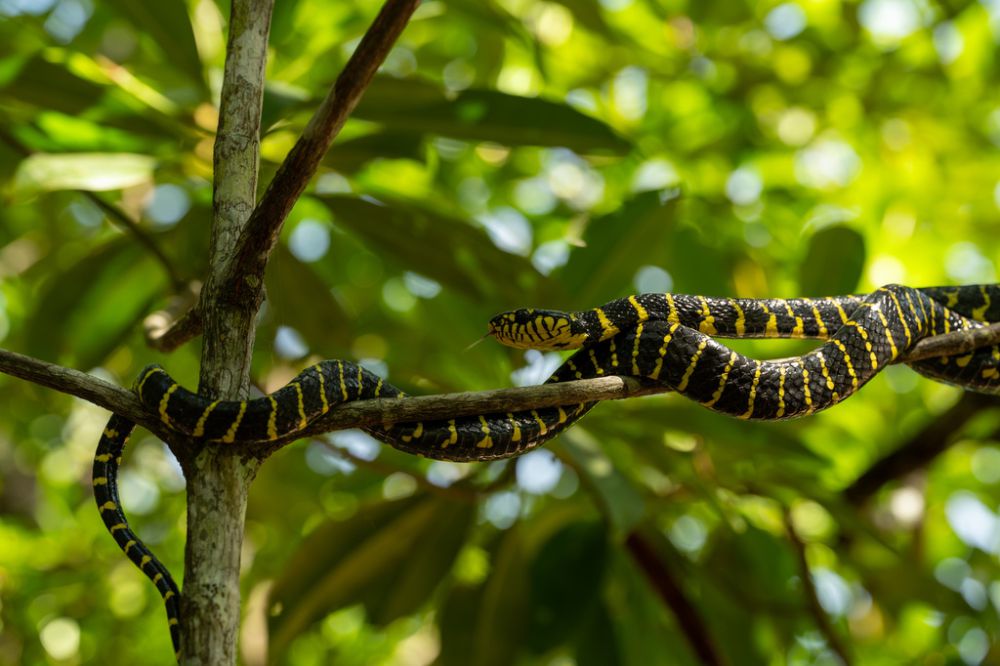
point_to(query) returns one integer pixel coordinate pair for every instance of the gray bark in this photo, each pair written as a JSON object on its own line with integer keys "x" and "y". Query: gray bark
{"x": 219, "y": 477}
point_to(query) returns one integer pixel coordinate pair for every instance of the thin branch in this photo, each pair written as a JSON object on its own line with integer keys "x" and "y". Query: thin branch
{"x": 114, "y": 213}
{"x": 166, "y": 331}
{"x": 447, "y": 405}
{"x": 688, "y": 617}
{"x": 243, "y": 278}
{"x": 819, "y": 615}
{"x": 351, "y": 414}
{"x": 261, "y": 232}
{"x": 956, "y": 342}
{"x": 103, "y": 394}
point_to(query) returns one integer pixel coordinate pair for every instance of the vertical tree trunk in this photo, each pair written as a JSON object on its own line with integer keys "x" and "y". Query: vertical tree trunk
{"x": 218, "y": 478}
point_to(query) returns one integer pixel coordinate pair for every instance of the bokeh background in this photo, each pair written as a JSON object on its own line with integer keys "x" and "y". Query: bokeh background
{"x": 511, "y": 153}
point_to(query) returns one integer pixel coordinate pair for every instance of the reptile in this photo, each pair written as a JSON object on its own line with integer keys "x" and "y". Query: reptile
{"x": 863, "y": 334}
{"x": 312, "y": 393}
{"x": 663, "y": 338}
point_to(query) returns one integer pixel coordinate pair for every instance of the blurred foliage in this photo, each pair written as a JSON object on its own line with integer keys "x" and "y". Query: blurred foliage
{"x": 511, "y": 153}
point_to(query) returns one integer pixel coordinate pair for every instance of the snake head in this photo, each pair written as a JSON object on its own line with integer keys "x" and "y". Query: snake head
{"x": 538, "y": 329}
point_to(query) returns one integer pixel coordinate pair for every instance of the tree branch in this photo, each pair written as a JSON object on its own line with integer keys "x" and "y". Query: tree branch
{"x": 447, "y": 405}
{"x": 242, "y": 276}
{"x": 179, "y": 321}
{"x": 218, "y": 477}
{"x": 956, "y": 342}
{"x": 66, "y": 380}
{"x": 349, "y": 415}
{"x": 243, "y": 281}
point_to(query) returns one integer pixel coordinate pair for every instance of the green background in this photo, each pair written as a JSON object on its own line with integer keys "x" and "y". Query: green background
{"x": 510, "y": 153}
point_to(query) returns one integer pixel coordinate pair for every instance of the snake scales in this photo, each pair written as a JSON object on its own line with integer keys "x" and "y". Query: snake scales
{"x": 667, "y": 338}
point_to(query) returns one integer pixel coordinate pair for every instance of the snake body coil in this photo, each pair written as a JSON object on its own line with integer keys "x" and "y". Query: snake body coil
{"x": 667, "y": 338}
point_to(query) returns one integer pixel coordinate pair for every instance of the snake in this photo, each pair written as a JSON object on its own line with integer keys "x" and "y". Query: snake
{"x": 666, "y": 338}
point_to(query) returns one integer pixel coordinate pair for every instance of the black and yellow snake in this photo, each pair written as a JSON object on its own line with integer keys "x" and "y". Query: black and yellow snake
{"x": 667, "y": 338}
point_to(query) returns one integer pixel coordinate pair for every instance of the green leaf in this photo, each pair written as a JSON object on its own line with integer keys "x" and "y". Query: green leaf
{"x": 485, "y": 115}
{"x": 566, "y": 581}
{"x": 731, "y": 13}
{"x": 448, "y": 250}
{"x": 350, "y": 155}
{"x": 492, "y": 18}
{"x": 302, "y": 300}
{"x": 94, "y": 172}
{"x": 696, "y": 264}
{"x": 283, "y": 20}
{"x": 833, "y": 263}
{"x": 755, "y": 566}
{"x": 87, "y": 310}
{"x": 457, "y": 624}
{"x": 483, "y": 626}
{"x": 597, "y": 643}
{"x": 771, "y": 450}
{"x": 9, "y": 159}
{"x": 280, "y": 101}
{"x": 169, "y": 24}
{"x": 426, "y": 563}
{"x": 589, "y": 14}
{"x": 644, "y": 231}
{"x": 491, "y": 15}
{"x": 390, "y": 556}
{"x": 55, "y": 132}
{"x": 732, "y": 620}
{"x": 50, "y": 85}
{"x": 620, "y": 502}
{"x": 645, "y": 630}
{"x": 334, "y": 541}
{"x": 729, "y": 627}
{"x": 638, "y": 233}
